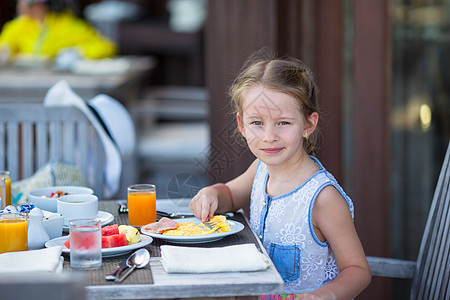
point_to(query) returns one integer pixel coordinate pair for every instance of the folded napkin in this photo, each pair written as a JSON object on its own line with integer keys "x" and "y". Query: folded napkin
{"x": 47, "y": 260}
{"x": 235, "y": 258}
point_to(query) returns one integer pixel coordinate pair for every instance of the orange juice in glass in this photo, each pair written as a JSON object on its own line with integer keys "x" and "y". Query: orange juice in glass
{"x": 7, "y": 176}
{"x": 141, "y": 204}
{"x": 2, "y": 193}
{"x": 13, "y": 232}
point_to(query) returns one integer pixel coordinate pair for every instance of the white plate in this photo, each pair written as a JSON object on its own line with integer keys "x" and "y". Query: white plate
{"x": 106, "y": 252}
{"x": 195, "y": 239}
{"x": 105, "y": 217}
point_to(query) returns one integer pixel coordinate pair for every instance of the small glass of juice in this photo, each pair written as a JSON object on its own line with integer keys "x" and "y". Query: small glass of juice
{"x": 6, "y": 175}
{"x": 2, "y": 193}
{"x": 13, "y": 232}
{"x": 141, "y": 204}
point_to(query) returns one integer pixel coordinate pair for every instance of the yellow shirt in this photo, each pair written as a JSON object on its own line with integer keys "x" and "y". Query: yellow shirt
{"x": 60, "y": 30}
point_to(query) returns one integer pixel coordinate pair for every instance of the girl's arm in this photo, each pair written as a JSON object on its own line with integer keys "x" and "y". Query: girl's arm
{"x": 222, "y": 197}
{"x": 332, "y": 221}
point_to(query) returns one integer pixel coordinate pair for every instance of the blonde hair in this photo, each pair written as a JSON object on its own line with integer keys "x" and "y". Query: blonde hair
{"x": 286, "y": 75}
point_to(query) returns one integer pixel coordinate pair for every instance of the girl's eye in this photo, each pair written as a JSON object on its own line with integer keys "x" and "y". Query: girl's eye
{"x": 284, "y": 123}
{"x": 256, "y": 123}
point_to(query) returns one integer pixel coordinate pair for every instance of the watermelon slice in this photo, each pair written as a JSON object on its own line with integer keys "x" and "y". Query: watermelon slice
{"x": 110, "y": 230}
{"x": 67, "y": 243}
{"x": 115, "y": 240}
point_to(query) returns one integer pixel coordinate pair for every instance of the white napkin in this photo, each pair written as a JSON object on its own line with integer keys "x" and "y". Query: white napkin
{"x": 235, "y": 258}
{"x": 47, "y": 260}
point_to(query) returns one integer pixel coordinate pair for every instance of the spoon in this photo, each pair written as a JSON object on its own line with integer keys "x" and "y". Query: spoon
{"x": 138, "y": 259}
{"x": 113, "y": 275}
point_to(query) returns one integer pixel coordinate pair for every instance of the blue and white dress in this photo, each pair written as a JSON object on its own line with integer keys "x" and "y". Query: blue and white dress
{"x": 284, "y": 225}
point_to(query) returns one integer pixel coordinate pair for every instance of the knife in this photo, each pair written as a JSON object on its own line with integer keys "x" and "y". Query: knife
{"x": 174, "y": 215}
{"x": 120, "y": 267}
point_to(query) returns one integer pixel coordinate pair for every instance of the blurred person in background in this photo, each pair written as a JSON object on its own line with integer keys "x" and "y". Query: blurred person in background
{"x": 47, "y": 29}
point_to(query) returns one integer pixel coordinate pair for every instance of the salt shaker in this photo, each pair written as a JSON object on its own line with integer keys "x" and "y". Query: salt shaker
{"x": 37, "y": 236}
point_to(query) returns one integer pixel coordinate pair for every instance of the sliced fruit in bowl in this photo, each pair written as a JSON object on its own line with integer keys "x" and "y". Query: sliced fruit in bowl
{"x": 46, "y": 198}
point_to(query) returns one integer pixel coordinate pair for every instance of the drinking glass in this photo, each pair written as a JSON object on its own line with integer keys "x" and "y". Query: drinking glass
{"x": 2, "y": 193}
{"x": 141, "y": 204}
{"x": 7, "y": 176}
{"x": 85, "y": 243}
{"x": 13, "y": 232}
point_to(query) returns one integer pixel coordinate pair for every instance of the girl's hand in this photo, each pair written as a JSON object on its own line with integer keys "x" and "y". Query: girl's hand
{"x": 224, "y": 197}
{"x": 205, "y": 203}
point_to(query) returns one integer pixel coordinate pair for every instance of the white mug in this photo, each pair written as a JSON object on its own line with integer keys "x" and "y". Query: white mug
{"x": 77, "y": 206}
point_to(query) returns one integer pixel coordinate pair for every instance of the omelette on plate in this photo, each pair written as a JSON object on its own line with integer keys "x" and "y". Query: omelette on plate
{"x": 190, "y": 228}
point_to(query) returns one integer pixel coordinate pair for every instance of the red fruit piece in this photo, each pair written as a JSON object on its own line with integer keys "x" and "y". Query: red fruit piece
{"x": 115, "y": 240}
{"x": 67, "y": 243}
{"x": 110, "y": 230}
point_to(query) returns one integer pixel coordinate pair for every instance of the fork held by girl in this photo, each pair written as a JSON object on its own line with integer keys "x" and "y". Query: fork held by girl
{"x": 297, "y": 208}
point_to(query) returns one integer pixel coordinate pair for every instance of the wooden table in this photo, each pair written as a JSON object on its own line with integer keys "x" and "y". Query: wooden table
{"x": 29, "y": 85}
{"x": 138, "y": 285}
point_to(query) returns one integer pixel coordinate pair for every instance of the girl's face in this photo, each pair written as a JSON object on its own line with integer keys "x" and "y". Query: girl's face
{"x": 274, "y": 127}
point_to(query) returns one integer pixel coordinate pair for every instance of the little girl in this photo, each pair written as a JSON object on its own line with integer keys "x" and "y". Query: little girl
{"x": 301, "y": 214}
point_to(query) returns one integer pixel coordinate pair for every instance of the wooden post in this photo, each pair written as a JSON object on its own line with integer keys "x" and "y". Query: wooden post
{"x": 371, "y": 100}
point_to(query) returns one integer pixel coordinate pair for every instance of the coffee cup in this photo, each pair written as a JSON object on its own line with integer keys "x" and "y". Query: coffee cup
{"x": 77, "y": 206}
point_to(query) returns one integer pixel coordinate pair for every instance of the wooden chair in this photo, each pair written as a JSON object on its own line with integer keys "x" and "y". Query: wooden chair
{"x": 431, "y": 272}
{"x": 32, "y": 135}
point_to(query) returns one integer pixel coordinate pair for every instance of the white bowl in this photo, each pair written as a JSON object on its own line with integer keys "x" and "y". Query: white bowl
{"x": 53, "y": 224}
{"x": 40, "y": 197}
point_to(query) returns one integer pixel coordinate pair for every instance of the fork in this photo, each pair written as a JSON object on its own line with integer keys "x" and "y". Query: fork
{"x": 210, "y": 224}
{"x": 209, "y": 229}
